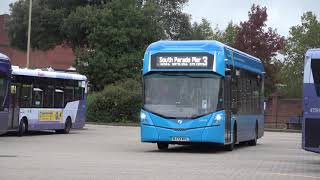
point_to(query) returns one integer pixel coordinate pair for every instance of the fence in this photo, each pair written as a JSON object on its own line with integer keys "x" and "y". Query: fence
{"x": 283, "y": 113}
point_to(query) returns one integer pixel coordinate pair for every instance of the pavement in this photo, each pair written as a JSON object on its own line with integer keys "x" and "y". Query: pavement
{"x": 115, "y": 152}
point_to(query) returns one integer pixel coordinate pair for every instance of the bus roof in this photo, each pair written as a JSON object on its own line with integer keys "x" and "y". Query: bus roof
{"x": 313, "y": 53}
{"x": 207, "y": 45}
{"x": 4, "y": 57}
{"x": 48, "y": 74}
{"x": 232, "y": 56}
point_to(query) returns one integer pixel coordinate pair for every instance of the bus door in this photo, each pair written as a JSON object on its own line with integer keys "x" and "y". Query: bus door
{"x": 227, "y": 106}
{"x": 14, "y": 106}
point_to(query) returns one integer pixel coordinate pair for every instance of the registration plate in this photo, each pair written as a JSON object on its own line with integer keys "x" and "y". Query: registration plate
{"x": 180, "y": 139}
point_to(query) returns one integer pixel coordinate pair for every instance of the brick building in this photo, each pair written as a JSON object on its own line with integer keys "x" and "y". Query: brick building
{"x": 280, "y": 110}
{"x": 59, "y": 58}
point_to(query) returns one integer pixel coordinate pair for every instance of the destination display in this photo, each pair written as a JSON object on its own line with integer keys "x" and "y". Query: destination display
{"x": 182, "y": 61}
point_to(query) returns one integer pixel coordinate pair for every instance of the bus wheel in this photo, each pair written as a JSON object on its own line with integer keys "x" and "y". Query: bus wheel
{"x": 23, "y": 127}
{"x": 162, "y": 146}
{"x": 67, "y": 127}
{"x": 253, "y": 142}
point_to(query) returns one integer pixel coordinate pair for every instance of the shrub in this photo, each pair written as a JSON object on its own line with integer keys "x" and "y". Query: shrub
{"x": 119, "y": 102}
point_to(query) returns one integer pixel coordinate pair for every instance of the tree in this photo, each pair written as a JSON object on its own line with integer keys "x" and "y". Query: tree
{"x": 204, "y": 31}
{"x": 108, "y": 37}
{"x": 301, "y": 38}
{"x": 47, "y": 21}
{"x": 175, "y": 23}
{"x": 201, "y": 31}
{"x": 229, "y": 35}
{"x": 117, "y": 42}
{"x": 17, "y": 24}
{"x": 253, "y": 38}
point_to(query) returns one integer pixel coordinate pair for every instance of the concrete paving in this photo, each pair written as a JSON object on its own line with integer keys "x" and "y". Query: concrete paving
{"x": 109, "y": 152}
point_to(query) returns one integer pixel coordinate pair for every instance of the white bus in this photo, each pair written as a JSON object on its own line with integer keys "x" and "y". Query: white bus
{"x": 46, "y": 100}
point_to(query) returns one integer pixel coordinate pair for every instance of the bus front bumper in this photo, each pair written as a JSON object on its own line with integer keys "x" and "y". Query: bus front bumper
{"x": 212, "y": 134}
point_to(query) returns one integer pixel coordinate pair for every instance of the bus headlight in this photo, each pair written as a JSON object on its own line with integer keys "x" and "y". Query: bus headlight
{"x": 145, "y": 119}
{"x": 143, "y": 116}
{"x": 217, "y": 119}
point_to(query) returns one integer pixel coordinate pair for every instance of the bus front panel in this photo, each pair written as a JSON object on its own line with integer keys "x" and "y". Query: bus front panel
{"x": 209, "y": 128}
{"x": 5, "y": 73}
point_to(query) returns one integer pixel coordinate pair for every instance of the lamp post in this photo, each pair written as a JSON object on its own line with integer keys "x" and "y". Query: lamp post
{"x": 29, "y": 34}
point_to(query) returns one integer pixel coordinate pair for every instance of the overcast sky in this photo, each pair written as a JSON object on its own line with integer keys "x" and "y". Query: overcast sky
{"x": 4, "y": 6}
{"x": 282, "y": 13}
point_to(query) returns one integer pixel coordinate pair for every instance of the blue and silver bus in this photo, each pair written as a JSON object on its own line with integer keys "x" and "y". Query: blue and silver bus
{"x": 311, "y": 101}
{"x": 201, "y": 92}
{"x": 34, "y": 99}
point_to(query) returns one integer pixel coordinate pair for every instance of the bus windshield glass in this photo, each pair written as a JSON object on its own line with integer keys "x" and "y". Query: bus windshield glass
{"x": 183, "y": 95}
{"x": 315, "y": 66}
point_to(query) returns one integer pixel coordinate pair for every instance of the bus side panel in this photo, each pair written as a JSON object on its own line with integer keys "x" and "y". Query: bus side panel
{"x": 80, "y": 118}
{"x": 71, "y": 110}
{"x": 311, "y": 120}
{"x": 76, "y": 110}
{"x": 34, "y": 121}
{"x": 246, "y": 126}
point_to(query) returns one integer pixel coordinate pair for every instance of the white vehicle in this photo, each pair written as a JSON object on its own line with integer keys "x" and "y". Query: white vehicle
{"x": 41, "y": 100}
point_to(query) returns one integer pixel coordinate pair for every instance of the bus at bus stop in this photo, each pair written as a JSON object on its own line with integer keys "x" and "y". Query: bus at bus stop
{"x": 201, "y": 92}
{"x": 34, "y": 99}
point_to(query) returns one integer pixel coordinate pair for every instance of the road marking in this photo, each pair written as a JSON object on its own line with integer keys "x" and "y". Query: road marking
{"x": 294, "y": 175}
{"x": 8, "y": 156}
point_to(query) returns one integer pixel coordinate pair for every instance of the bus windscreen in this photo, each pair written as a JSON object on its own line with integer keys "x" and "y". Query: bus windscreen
{"x": 182, "y": 95}
{"x": 315, "y": 67}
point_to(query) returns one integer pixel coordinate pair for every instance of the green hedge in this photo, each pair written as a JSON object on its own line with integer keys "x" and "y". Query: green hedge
{"x": 119, "y": 102}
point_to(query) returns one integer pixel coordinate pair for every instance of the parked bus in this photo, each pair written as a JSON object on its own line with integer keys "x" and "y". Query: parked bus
{"x": 201, "y": 92}
{"x": 311, "y": 102}
{"x": 40, "y": 100}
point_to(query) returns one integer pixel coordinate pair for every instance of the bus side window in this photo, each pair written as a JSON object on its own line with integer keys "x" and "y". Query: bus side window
{"x": 26, "y": 96}
{"x": 37, "y": 100}
{"x": 69, "y": 91}
{"x": 48, "y": 96}
{"x": 58, "y": 98}
{"x": 79, "y": 90}
{"x": 47, "y": 86}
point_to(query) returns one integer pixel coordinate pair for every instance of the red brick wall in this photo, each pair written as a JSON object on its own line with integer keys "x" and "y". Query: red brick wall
{"x": 60, "y": 57}
{"x": 279, "y": 111}
{"x": 3, "y": 35}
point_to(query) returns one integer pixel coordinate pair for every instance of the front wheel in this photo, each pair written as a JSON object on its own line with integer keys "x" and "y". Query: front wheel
{"x": 67, "y": 127}
{"x": 230, "y": 147}
{"x": 162, "y": 146}
{"x": 23, "y": 128}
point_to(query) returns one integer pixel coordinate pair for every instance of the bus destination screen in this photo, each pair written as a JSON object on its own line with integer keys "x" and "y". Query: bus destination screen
{"x": 182, "y": 61}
